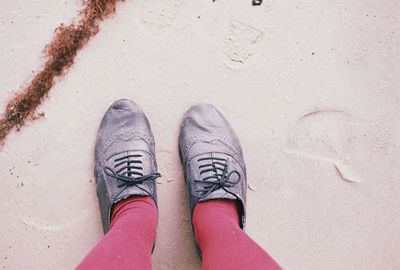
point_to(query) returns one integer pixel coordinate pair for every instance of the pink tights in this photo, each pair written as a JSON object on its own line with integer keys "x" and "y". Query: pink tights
{"x": 129, "y": 242}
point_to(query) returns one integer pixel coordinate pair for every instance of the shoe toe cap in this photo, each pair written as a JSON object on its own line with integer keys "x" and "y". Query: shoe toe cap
{"x": 204, "y": 117}
{"x": 125, "y": 113}
{"x": 124, "y": 121}
{"x": 125, "y": 104}
{"x": 204, "y": 122}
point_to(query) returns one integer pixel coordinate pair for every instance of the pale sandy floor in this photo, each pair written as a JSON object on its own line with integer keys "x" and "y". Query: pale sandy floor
{"x": 311, "y": 87}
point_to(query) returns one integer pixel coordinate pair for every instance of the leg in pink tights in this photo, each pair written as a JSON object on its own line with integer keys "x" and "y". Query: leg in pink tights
{"x": 222, "y": 243}
{"x": 128, "y": 243}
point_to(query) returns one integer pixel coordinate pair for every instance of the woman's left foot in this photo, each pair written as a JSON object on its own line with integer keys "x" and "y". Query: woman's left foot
{"x": 212, "y": 158}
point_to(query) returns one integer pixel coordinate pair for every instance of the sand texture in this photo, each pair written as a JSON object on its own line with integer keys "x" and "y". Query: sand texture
{"x": 312, "y": 89}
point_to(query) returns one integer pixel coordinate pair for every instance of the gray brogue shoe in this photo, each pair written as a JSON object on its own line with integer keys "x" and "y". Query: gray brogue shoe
{"x": 125, "y": 163}
{"x": 212, "y": 158}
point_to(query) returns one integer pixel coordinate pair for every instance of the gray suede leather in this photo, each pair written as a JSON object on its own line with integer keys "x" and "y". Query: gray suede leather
{"x": 125, "y": 163}
{"x": 212, "y": 158}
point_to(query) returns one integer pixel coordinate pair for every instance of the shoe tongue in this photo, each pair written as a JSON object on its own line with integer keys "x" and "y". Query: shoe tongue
{"x": 220, "y": 161}
{"x": 212, "y": 165}
{"x": 124, "y": 162}
{"x": 133, "y": 165}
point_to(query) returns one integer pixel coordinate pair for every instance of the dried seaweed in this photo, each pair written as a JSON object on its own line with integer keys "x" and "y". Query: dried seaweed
{"x": 59, "y": 55}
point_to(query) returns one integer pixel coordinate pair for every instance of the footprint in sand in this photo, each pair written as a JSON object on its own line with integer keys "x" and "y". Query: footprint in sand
{"x": 337, "y": 138}
{"x": 240, "y": 43}
{"x": 158, "y": 15}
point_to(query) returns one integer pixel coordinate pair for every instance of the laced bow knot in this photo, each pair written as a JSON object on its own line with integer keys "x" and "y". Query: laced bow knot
{"x": 130, "y": 180}
{"x": 129, "y": 171}
{"x": 220, "y": 177}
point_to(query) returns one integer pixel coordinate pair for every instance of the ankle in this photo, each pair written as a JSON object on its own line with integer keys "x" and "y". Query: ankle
{"x": 217, "y": 209}
{"x": 137, "y": 204}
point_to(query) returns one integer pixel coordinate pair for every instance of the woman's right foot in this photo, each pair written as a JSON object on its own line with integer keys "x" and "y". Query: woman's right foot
{"x": 125, "y": 163}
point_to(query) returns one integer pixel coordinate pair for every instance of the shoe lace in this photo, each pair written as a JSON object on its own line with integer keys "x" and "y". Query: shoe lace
{"x": 218, "y": 176}
{"x": 129, "y": 170}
